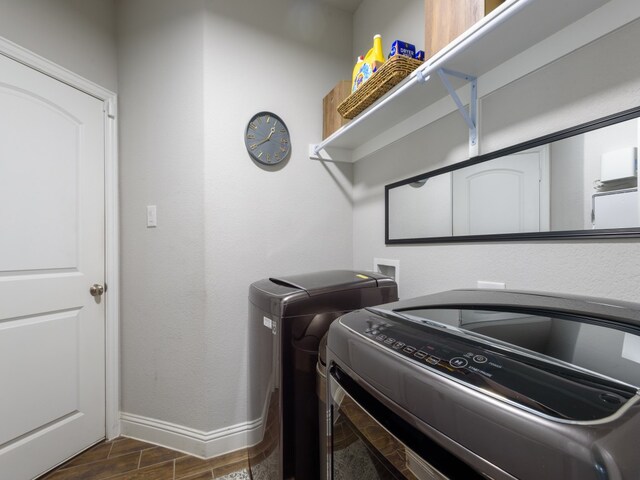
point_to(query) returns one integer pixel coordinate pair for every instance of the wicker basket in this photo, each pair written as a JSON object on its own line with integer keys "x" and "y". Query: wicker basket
{"x": 388, "y": 75}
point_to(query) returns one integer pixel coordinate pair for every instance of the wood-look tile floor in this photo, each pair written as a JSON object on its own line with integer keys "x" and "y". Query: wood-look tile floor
{"x": 129, "y": 459}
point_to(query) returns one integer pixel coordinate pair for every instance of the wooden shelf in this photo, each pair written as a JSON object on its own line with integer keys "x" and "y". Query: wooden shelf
{"x": 545, "y": 29}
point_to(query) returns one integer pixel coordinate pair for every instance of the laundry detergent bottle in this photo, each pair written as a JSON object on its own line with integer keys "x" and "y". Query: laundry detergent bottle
{"x": 372, "y": 61}
{"x": 376, "y": 54}
{"x": 356, "y": 70}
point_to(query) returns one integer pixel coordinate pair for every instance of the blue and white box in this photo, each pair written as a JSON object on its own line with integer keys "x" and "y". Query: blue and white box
{"x": 402, "y": 48}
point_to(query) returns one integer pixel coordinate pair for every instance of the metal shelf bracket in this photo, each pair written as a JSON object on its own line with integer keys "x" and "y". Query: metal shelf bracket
{"x": 324, "y": 152}
{"x": 470, "y": 117}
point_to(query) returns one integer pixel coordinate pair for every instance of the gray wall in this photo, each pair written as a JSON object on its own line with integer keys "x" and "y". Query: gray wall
{"x": 163, "y": 344}
{"x": 76, "y": 34}
{"x": 281, "y": 56}
{"x": 191, "y": 75}
{"x": 567, "y": 184}
{"x": 599, "y": 79}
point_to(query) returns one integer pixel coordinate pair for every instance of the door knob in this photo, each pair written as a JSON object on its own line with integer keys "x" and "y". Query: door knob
{"x": 96, "y": 290}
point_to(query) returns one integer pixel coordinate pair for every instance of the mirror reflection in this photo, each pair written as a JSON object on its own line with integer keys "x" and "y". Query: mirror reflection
{"x": 582, "y": 184}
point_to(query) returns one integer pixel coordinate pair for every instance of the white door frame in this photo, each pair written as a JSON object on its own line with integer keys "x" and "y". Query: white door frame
{"x": 112, "y": 298}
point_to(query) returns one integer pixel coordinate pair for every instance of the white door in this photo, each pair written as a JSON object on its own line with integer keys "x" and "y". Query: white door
{"x": 52, "y": 346}
{"x": 505, "y": 195}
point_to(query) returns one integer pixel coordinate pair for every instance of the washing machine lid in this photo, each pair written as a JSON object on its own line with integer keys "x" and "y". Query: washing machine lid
{"x": 624, "y": 315}
{"x": 574, "y": 359}
{"x": 324, "y": 282}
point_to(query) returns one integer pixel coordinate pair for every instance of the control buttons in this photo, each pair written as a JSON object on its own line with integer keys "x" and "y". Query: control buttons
{"x": 420, "y": 354}
{"x": 480, "y": 359}
{"x": 375, "y": 329}
{"x": 409, "y": 349}
{"x": 381, "y": 337}
{"x": 389, "y": 341}
{"x": 458, "y": 362}
{"x": 398, "y": 345}
{"x": 433, "y": 360}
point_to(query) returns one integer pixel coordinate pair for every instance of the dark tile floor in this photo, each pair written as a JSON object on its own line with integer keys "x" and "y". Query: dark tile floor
{"x": 129, "y": 459}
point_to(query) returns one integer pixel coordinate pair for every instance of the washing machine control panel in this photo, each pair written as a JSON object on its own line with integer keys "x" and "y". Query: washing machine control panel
{"x": 432, "y": 351}
{"x": 523, "y": 378}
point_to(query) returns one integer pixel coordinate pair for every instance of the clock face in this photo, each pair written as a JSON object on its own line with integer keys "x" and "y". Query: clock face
{"x": 267, "y": 138}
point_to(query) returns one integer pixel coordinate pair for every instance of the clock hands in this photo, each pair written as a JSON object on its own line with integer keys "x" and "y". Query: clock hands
{"x": 271, "y": 132}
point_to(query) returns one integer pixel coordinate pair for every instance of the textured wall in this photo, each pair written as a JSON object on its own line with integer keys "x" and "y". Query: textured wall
{"x": 569, "y": 91}
{"x": 76, "y": 34}
{"x": 263, "y": 222}
{"x": 191, "y": 75}
{"x": 161, "y": 163}
{"x": 567, "y": 184}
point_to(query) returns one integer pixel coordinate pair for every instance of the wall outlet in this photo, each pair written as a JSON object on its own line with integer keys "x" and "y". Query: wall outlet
{"x": 493, "y": 285}
{"x": 390, "y": 268}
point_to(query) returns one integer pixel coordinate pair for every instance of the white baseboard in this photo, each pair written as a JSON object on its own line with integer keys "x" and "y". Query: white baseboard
{"x": 189, "y": 440}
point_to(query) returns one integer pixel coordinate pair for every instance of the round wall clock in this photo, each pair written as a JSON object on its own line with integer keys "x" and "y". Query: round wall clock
{"x": 267, "y": 138}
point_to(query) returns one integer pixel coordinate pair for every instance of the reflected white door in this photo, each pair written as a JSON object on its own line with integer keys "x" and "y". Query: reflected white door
{"x": 505, "y": 195}
{"x": 52, "y": 380}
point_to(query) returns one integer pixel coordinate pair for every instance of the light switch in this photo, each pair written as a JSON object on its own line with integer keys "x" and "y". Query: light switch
{"x": 152, "y": 219}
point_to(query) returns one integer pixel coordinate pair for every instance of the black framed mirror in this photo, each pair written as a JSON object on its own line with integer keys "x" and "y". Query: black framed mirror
{"x": 581, "y": 182}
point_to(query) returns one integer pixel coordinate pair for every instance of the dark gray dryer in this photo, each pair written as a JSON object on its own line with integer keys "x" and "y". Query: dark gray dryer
{"x": 476, "y": 384}
{"x": 288, "y": 316}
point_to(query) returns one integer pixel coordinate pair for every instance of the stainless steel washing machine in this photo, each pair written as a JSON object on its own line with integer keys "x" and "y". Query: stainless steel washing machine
{"x": 477, "y": 384}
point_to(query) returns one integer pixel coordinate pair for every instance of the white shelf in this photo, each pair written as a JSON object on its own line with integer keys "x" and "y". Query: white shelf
{"x": 505, "y": 33}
